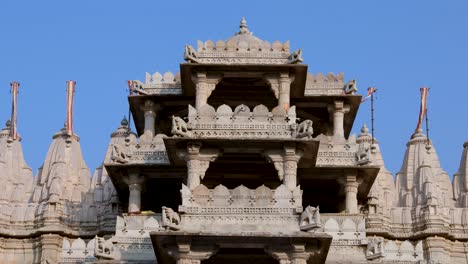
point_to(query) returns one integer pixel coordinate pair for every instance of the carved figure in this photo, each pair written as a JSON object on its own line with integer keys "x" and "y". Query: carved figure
{"x": 170, "y": 219}
{"x": 295, "y": 57}
{"x": 310, "y": 218}
{"x": 375, "y": 248}
{"x": 190, "y": 55}
{"x": 136, "y": 87}
{"x": 304, "y": 129}
{"x": 104, "y": 249}
{"x": 179, "y": 127}
{"x": 118, "y": 155}
{"x": 350, "y": 87}
{"x": 238, "y": 110}
{"x": 363, "y": 154}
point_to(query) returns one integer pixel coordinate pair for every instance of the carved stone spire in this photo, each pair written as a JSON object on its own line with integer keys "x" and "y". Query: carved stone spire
{"x": 64, "y": 175}
{"x": 16, "y": 176}
{"x": 410, "y": 181}
{"x": 460, "y": 180}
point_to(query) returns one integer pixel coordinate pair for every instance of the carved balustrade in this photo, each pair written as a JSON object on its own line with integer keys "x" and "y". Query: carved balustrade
{"x": 259, "y": 123}
{"x": 239, "y": 209}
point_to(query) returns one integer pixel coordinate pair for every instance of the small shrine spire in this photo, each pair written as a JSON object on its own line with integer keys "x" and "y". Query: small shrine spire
{"x": 14, "y": 111}
{"x": 70, "y": 98}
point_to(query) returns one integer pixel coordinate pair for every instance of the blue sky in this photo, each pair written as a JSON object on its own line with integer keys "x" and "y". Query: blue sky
{"x": 397, "y": 46}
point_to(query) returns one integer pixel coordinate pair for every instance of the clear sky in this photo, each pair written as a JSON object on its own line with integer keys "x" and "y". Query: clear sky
{"x": 397, "y": 46}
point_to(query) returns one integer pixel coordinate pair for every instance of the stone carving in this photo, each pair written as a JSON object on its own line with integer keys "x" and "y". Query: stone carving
{"x": 190, "y": 54}
{"x": 243, "y": 48}
{"x": 105, "y": 249}
{"x": 243, "y": 123}
{"x": 304, "y": 129}
{"x": 363, "y": 155}
{"x": 156, "y": 84}
{"x": 179, "y": 127}
{"x": 119, "y": 155}
{"x": 136, "y": 87}
{"x": 295, "y": 57}
{"x": 170, "y": 219}
{"x": 241, "y": 196}
{"x": 324, "y": 85}
{"x": 375, "y": 248}
{"x": 310, "y": 219}
{"x": 350, "y": 87}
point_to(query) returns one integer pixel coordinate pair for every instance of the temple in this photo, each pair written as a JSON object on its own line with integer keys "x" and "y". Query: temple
{"x": 241, "y": 157}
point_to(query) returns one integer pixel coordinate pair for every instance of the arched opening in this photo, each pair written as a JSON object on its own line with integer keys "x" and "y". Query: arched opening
{"x": 248, "y": 91}
{"x": 248, "y": 169}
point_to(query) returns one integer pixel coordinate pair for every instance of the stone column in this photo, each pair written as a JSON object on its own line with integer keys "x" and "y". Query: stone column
{"x": 351, "y": 188}
{"x": 184, "y": 254}
{"x": 338, "y": 109}
{"x": 204, "y": 86}
{"x": 149, "y": 110}
{"x": 291, "y": 158}
{"x": 299, "y": 254}
{"x": 284, "y": 91}
{"x": 197, "y": 163}
{"x": 281, "y": 256}
{"x": 51, "y": 248}
{"x": 134, "y": 188}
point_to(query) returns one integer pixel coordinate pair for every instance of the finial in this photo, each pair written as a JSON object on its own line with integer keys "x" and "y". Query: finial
{"x": 243, "y": 26}
{"x": 8, "y": 123}
{"x": 124, "y": 122}
{"x": 364, "y": 129}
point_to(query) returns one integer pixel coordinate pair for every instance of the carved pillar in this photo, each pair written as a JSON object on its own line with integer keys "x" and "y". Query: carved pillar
{"x": 197, "y": 163}
{"x": 134, "y": 188}
{"x": 284, "y": 90}
{"x": 338, "y": 109}
{"x": 291, "y": 158}
{"x": 51, "y": 248}
{"x": 149, "y": 109}
{"x": 281, "y": 256}
{"x": 204, "y": 86}
{"x": 184, "y": 253}
{"x": 351, "y": 188}
{"x": 299, "y": 254}
{"x": 285, "y": 163}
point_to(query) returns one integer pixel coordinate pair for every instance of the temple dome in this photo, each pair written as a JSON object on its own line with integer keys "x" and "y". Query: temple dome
{"x": 244, "y": 35}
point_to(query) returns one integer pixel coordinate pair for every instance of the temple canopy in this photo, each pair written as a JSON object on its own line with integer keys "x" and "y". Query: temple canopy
{"x": 242, "y": 48}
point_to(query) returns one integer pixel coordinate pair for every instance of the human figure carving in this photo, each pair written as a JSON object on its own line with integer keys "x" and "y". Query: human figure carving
{"x": 295, "y": 57}
{"x": 305, "y": 129}
{"x": 179, "y": 127}
{"x": 350, "y": 87}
